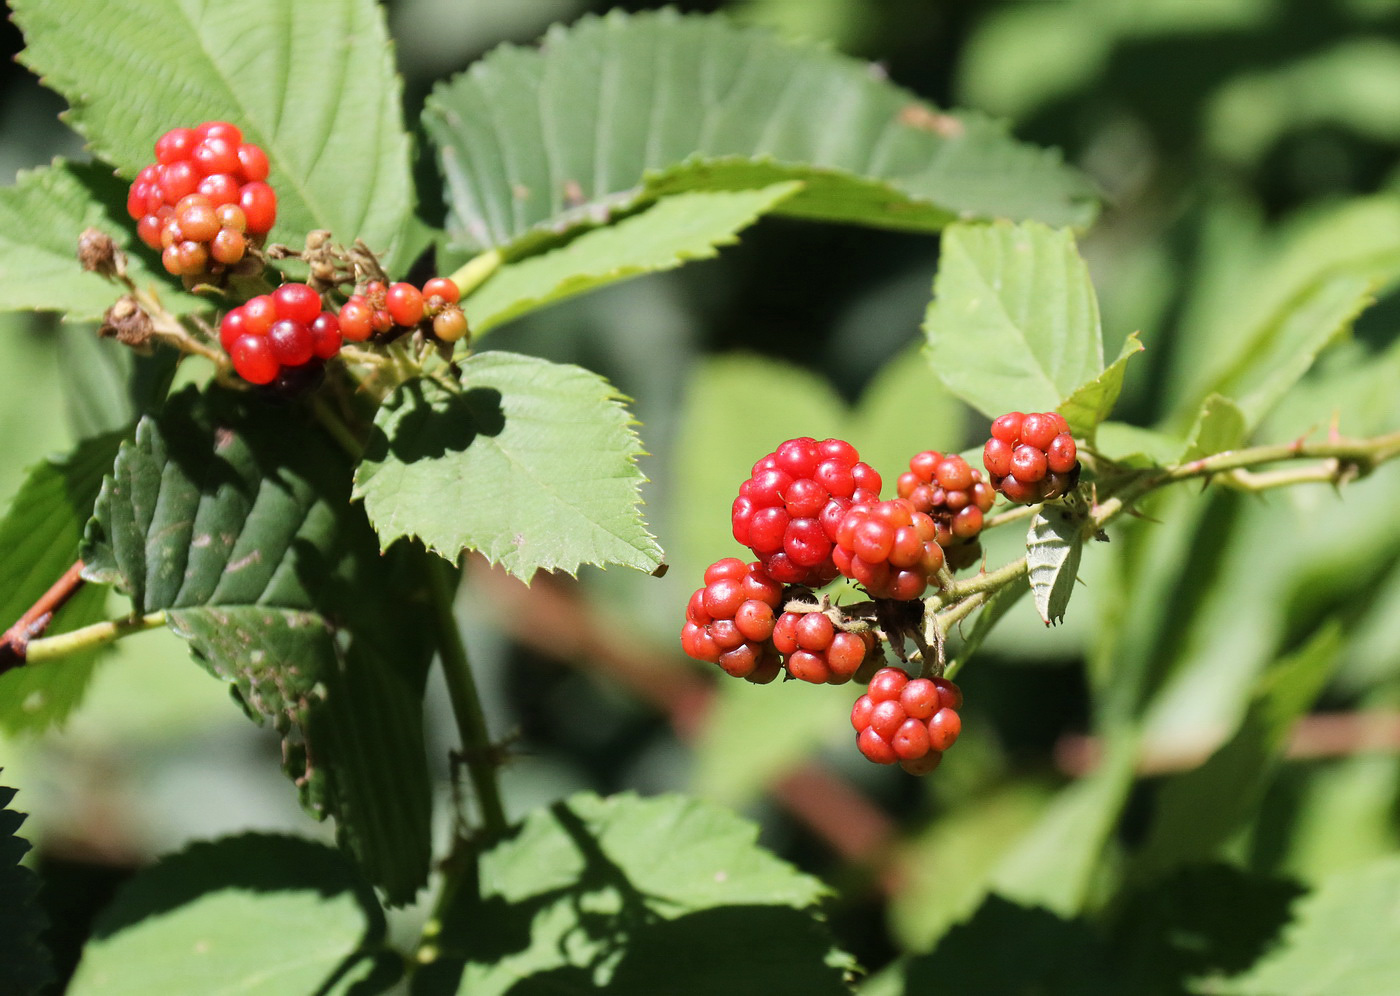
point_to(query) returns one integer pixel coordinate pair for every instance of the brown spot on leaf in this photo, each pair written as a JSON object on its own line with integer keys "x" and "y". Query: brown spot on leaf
{"x": 927, "y": 119}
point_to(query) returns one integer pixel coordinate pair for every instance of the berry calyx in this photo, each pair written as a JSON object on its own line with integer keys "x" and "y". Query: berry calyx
{"x": 730, "y": 621}
{"x": 889, "y": 547}
{"x": 950, "y": 492}
{"x": 1031, "y": 458}
{"x": 788, "y": 510}
{"x": 907, "y": 721}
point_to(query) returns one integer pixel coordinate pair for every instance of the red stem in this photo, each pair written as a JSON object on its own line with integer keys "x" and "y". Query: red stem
{"x": 14, "y": 645}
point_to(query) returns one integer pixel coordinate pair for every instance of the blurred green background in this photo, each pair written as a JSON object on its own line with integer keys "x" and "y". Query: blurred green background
{"x": 1237, "y": 143}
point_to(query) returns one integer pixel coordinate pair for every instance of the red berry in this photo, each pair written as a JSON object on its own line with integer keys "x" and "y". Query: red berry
{"x": 254, "y": 360}
{"x": 197, "y": 219}
{"x": 943, "y": 728}
{"x": 291, "y": 342}
{"x": 219, "y": 129}
{"x": 178, "y": 179}
{"x": 221, "y": 189}
{"x": 1028, "y": 464}
{"x": 215, "y": 155}
{"x": 887, "y": 683}
{"x": 1062, "y": 454}
{"x": 325, "y": 336}
{"x": 443, "y": 288}
{"x": 252, "y": 163}
{"x": 355, "y": 317}
{"x": 231, "y": 328}
{"x": 875, "y": 747}
{"x": 175, "y": 145}
{"x": 1007, "y": 427}
{"x": 228, "y": 246}
{"x": 260, "y": 312}
{"x": 297, "y": 303}
{"x": 404, "y": 302}
{"x": 888, "y": 547}
{"x": 259, "y": 204}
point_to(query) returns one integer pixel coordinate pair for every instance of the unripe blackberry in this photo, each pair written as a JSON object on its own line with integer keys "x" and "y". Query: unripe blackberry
{"x": 730, "y": 620}
{"x": 281, "y": 339}
{"x": 181, "y": 201}
{"x": 889, "y": 547}
{"x": 815, "y": 650}
{"x": 954, "y": 496}
{"x": 788, "y": 510}
{"x": 904, "y": 721}
{"x": 1031, "y": 458}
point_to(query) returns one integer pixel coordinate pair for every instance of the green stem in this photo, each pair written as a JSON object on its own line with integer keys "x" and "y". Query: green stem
{"x": 477, "y": 752}
{"x": 476, "y": 270}
{"x": 89, "y": 637}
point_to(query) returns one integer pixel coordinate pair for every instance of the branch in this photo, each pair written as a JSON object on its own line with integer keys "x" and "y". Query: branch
{"x": 14, "y": 645}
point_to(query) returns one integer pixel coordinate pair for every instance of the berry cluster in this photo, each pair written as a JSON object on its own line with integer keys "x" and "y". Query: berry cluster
{"x": 283, "y": 336}
{"x": 204, "y": 200}
{"x": 1031, "y": 458}
{"x": 815, "y": 650}
{"x": 911, "y": 722}
{"x": 889, "y": 547}
{"x": 954, "y": 496}
{"x": 730, "y": 621}
{"x": 377, "y": 309}
{"x": 789, "y": 509}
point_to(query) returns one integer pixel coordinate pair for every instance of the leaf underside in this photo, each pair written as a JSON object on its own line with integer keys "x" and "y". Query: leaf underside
{"x": 1053, "y": 548}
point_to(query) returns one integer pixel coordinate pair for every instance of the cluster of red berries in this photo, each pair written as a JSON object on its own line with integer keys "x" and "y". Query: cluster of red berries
{"x": 889, "y": 547}
{"x": 730, "y": 621}
{"x": 908, "y": 721}
{"x": 284, "y": 336}
{"x": 1031, "y": 458}
{"x": 950, "y": 492}
{"x": 204, "y": 200}
{"x": 377, "y": 309}
{"x": 815, "y": 650}
{"x": 789, "y": 509}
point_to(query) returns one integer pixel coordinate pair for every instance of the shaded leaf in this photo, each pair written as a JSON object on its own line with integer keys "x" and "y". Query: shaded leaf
{"x": 256, "y": 913}
{"x": 1342, "y": 940}
{"x": 589, "y": 897}
{"x": 25, "y": 965}
{"x": 38, "y": 543}
{"x": 1053, "y": 548}
{"x": 1093, "y": 400}
{"x": 674, "y": 231}
{"x": 1205, "y": 919}
{"x": 243, "y": 533}
{"x": 1013, "y": 950}
{"x": 1014, "y": 323}
{"x": 339, "y": 152}
{"x": 533, "y": 463}
{"x": 1198, "y": 811}
{"x": 614, "y": 110}
{"x": 41, "y": 217}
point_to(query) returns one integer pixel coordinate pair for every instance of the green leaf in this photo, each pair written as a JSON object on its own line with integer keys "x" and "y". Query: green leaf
{"x": 41, "y": 217}
{"x": 533, "y": 463}
{"x": 1014, "y": 324}
{"x": 38, "y": 542}
{"x": 1053, "y": 548}
{"x": 615, "y": 110}
{"x": 1204, "y": 919}
{"x": 1342, "y": 939}
{"x": 1093, "y": 400}
{"x": 256, "y": 913}
{"x": 1056, "y": 862}
{"x": 1297, "y": 300}
{"x": 25, "y": 966}
{"x": 132, "y": 69}
{"x": 674, "y": 231}
{"x": 1198, "y": 811}
{"x": 243, "y": 533}
{"x": 107, "y": 387}
{"x": 1219, "y": 426}
{"x": 1135, "y": 446}
{"x": 589, "y": 896}
{"x": 1013, "y": 950}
